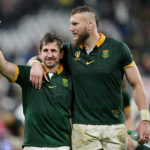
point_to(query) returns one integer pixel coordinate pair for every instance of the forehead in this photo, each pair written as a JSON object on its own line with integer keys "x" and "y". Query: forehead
{"x": 78, "y": 17}
{"x": 49, "y": 45}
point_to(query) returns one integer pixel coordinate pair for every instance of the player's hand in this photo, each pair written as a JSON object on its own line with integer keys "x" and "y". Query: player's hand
{"x": 130, "y": 145}
{"x": 36, "y": 75}
{"x": 2, "y": 59}
{"x": 144, "y": 130}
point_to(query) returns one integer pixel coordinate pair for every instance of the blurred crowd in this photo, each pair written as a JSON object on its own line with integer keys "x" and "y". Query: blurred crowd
{"x": 24, "y": 22}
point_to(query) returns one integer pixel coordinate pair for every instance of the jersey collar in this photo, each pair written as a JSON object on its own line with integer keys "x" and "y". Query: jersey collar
{"x": 101, "y": 40}
{"x": 99, "y": 43}
{"x": 59, "y": 70}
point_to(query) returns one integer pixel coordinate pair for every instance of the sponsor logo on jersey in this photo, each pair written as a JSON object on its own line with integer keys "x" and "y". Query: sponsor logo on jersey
{"x": 77, "y": 55}
{"x": 51, "y": 87}
{"x": 65, "y": 82}
{"x": 105, "y": 53}
{"x": 89, "y": 62}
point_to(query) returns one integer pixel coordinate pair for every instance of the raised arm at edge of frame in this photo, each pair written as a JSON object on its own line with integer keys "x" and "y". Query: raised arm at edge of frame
{"x": 7, "y": 69}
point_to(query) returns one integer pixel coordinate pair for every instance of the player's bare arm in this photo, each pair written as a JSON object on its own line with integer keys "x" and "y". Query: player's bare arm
{"x": 6, "y": 68}
{"x": 135, "y": 81}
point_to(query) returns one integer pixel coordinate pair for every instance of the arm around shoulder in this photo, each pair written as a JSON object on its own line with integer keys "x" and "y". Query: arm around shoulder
{"x": 33, "y": 60}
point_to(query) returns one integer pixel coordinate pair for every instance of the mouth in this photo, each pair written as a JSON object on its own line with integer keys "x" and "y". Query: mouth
{"x": 50, "y": 60}
{"x": 75, "y": 36}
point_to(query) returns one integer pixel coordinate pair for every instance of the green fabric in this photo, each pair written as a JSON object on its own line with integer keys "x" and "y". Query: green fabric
{"x": 142, "y": 147}
{"x": 126, "y": 98}
{"x": 46, "y": 110}
{"x": 97, "y": 80}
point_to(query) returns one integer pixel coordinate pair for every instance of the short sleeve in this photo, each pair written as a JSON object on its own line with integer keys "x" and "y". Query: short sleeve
{"x": 23, "y": 76}
{"x": 127, "y": 58}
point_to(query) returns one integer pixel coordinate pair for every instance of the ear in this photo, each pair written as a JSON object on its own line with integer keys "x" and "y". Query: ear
{"x": 39, "y": 52}
{"x": 89, "y": 26}
{"x": 61, "y": 54}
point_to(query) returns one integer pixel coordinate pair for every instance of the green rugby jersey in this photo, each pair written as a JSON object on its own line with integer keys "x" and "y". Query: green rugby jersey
{"x": 97, "y": 81}
{"x": 126, "y": 99}
{"x": 47, "y": 117}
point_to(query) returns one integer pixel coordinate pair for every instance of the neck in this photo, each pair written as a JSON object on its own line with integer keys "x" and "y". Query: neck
{"x": 92, "y": 41}
{"x": 54, "y": 69}
{"x": 51, "y": 70}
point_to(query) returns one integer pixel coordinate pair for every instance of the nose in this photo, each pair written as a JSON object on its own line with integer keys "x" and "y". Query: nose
{"x": 71, "y": 28}
{"x": 49, "y": 54}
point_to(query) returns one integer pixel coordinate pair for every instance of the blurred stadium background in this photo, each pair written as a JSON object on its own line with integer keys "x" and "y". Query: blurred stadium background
{"x": 24, "y": 22}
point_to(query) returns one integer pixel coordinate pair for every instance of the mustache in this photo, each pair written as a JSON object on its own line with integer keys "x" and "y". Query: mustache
{"x": 51, "y": 58}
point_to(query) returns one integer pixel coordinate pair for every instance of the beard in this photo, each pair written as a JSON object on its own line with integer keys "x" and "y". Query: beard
{"x": 81, "y": 39}
{"x": 51, "y": 65}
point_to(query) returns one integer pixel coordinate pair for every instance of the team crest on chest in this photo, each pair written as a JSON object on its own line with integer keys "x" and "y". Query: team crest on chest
{"x": 77, "y": 55}
{"x": 105, "y": 53}
{"x": 65, "y": 82}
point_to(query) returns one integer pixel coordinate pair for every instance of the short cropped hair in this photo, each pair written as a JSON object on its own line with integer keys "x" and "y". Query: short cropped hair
{"x": 50, "y": 38}
{"x": 82, "y": 9}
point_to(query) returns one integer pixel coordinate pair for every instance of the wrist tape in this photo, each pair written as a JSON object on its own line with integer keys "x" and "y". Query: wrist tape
{"x": 33, "y": 61}
{"x": 144, "y": 114}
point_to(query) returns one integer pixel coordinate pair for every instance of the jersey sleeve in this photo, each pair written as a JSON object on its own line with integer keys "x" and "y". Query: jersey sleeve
{"x": 65, "y": 60}
{"x": 23, "y": 76}
{"x": 127, "y": 58}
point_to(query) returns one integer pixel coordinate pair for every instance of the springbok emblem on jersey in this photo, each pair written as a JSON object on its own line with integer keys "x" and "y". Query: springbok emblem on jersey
{"x": 105, "y": 54}
{"x": 65, "y": 82}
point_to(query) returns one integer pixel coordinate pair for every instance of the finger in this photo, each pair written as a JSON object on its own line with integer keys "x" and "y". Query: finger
{"x": 36, "y": 83}
{"x": 32, "y": 81}
{"x": 141, "y": 140}
{"x": 45, "y": 77}
{"x": 40, "y": 82}
{"x": 31, "y": 78}
{"x": 146, "y": 139}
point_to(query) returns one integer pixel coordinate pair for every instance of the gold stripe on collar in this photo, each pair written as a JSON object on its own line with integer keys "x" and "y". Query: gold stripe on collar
{"x": 61, "y": 68}
{"x": 45, "y": 68}
{"x": 101, "y": 40}
{"x": 16, "y": 74}
{"x": 82, "y": 46}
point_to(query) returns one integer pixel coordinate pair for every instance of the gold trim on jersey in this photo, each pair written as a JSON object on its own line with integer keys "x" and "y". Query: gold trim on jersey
{"x": 16, "y": 74}
{"x": 45, "y": 68}
{"x": 59, "y": 70}
{"x": 101, "y": 40}
{"x": 130, "y": 65}
{"x": 99, "y": 43}
{"x": 127, "y": 108}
